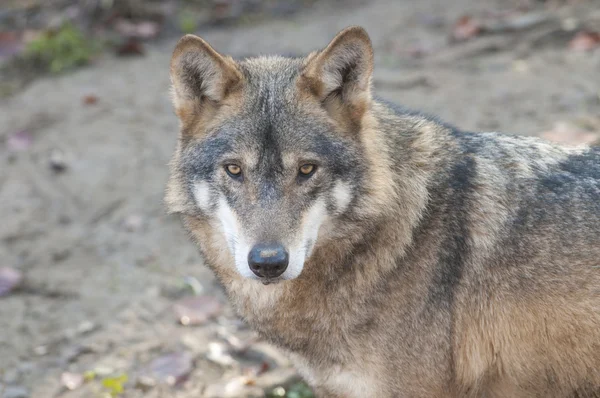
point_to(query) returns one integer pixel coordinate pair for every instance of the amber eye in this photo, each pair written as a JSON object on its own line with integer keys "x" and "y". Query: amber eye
{"x": 233, "y": 170}
{"x": 307, "y": 170}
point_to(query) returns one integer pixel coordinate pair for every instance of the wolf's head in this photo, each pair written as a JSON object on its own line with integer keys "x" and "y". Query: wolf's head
{"x": 271, "y": 152}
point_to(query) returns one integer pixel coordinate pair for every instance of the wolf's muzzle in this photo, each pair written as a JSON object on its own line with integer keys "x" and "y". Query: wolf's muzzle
{"x": 268, "y": 260}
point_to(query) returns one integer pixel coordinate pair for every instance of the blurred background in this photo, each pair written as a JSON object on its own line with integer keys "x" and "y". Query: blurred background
{"x": 101, "y": 293}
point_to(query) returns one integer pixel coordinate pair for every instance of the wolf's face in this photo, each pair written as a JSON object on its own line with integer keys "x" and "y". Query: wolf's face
{"x": 269, "y": 153}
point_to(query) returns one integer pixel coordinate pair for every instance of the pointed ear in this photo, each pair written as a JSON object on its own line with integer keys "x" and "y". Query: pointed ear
{"x": 343, "y": 69}
{"x": 200, "y": 76}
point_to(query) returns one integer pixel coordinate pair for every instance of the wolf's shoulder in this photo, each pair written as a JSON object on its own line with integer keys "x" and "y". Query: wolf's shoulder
{"x": 583, "y": 161}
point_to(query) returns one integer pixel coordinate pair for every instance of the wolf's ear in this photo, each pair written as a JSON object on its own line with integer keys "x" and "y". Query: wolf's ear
{"x": 199, "y": 75}
{"x": 343, "y": 70}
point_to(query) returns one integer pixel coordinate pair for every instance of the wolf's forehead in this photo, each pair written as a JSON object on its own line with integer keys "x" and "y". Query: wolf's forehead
{"x": 268, "y": 111}
{"x": 270, "y": 77}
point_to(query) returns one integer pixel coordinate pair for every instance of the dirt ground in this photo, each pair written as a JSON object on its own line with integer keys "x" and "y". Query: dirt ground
{"x": 103, "y": 264}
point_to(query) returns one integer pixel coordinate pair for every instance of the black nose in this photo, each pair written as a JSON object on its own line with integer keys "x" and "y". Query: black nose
{"x": 268, "y": 260}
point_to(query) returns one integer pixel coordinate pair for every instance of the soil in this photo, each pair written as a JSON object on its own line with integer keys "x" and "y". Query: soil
{"x": 82, "y": 213}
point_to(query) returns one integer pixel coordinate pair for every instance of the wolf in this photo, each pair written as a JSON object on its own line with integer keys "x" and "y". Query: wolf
{"x": 387, "y": 253}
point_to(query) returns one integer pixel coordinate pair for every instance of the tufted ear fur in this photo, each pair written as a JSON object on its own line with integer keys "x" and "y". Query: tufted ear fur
{"x": 200, "y": 76}
{"x": 340, "y": 75}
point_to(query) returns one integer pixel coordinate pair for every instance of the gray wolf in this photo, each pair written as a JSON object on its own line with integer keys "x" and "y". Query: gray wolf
{"x": 389, "y": 254}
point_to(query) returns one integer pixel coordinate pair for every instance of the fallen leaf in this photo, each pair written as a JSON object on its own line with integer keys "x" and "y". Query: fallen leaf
{"x": 90, "y": 99}
{"x": 131, "y": 47}
{"x": 257, "y": 370}
{"x": 196, "y": 310}
{"x": 9, "y": 44}
{"x": 10, "y": 279}
{"x": 585, "y": 41}
{"x": 466, "y": 28}
{"x": 19, "y": 141}
{"x": 171, "y": 369}
{"x": 71, "y": 381}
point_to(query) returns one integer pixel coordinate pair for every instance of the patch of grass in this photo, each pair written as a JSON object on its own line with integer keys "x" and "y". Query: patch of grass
{"x": 61, "y": 49}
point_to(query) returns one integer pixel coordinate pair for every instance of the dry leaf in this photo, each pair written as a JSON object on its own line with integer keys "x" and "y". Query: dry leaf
{"x": 19, "y": 141}
{"x": 585, "y": 41}
{"x": 10, "y": 279}
{"x": 131, "y": 47}
{"x": 90, "y": 100}
{"x": 197, "y": 309}
{"x": 466, "y": 28}
{"x": 172, "y": 369}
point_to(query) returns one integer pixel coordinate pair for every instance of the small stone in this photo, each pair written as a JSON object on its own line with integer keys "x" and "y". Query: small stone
{"x": 278, "y": 392}
{"x": 145, "y": 383}
{"x": 102, "y": 370}
{"x": 86, "y": 327}
{"x": 72, "y": 353}
{"x": 218, "y": 353}
{"x": 71, "y": 381}
{"x": 57, "y": 161}
{"x": 133, "y": 223}
{"x": 40, "y": 350}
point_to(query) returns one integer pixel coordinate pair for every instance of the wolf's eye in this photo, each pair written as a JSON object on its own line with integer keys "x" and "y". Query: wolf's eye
{"x": 307, "y": 170}
{"x": 233, "y": 170}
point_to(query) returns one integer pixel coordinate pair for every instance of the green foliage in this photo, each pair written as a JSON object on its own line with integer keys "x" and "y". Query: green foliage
{"x": 89, "y": 375}
{"x": 115, "y": 385}
{"x": 297, "y": 390}
{"x": 61, "y": 49}
{"x": 188, "y": 23}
